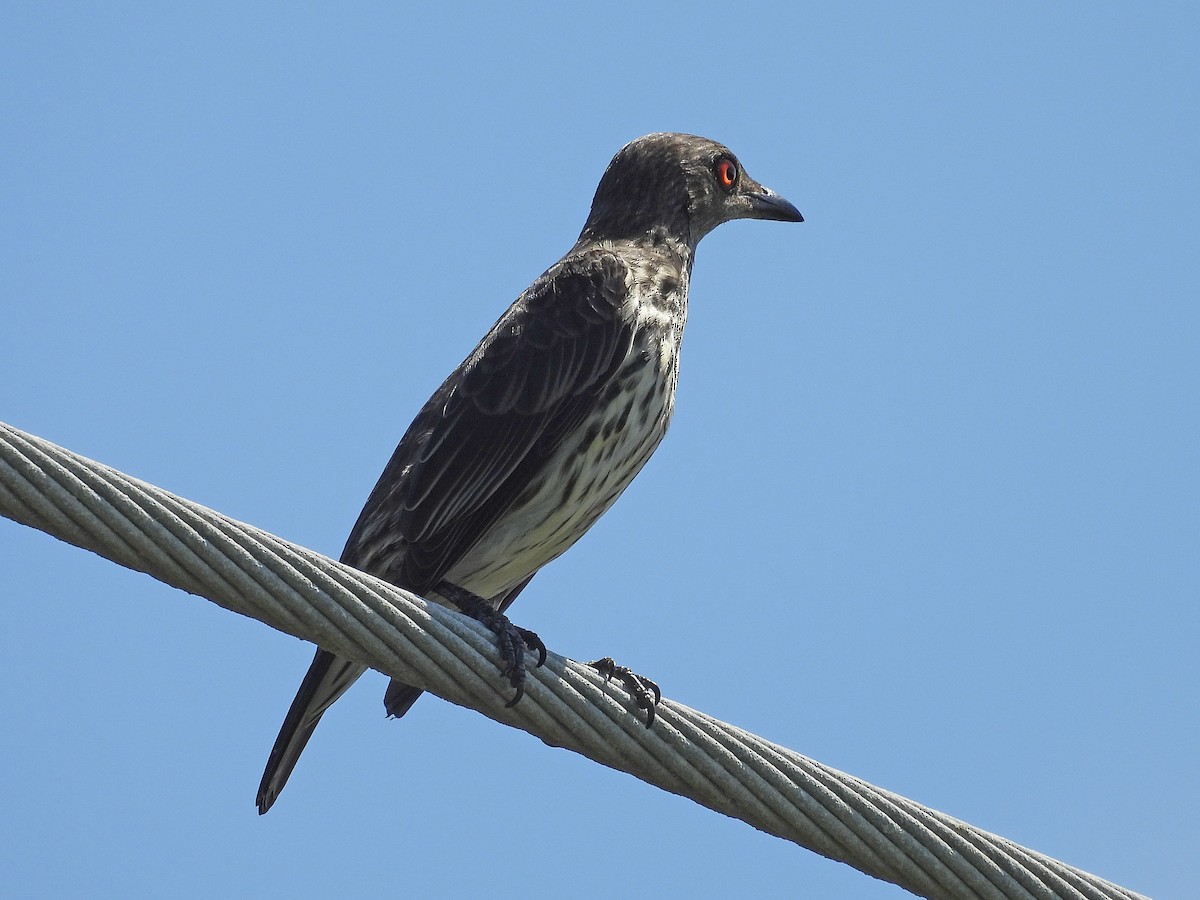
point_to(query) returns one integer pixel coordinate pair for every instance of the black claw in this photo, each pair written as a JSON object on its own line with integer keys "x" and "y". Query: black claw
{"x": 657, "y": 692}
{"x": 516, "y": 697}
{"x": 513, "y": 642}
{"x": 533, "y": 642}
{"x": 649, "y": 713}
{"x": 639, "y": 687}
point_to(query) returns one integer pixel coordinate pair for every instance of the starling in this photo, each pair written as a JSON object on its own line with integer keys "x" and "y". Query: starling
{"x": 542, "y": 427}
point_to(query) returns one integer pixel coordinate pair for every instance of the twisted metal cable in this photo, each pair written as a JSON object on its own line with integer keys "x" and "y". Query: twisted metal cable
{"x": 566, "y": 704}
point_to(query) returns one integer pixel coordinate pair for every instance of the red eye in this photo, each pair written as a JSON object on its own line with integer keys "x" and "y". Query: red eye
{"x": 726, "y": 172}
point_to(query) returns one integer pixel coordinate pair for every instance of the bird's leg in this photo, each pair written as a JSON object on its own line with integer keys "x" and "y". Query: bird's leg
{"x": 513, "y": 641}
{"x": 643, "y": 690}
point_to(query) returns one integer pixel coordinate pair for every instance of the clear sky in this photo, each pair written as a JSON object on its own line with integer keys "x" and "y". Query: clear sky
{"x": 929, "y": 511}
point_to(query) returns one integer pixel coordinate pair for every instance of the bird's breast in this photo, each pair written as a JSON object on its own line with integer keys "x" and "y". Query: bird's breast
{"x": 587, "y": 472}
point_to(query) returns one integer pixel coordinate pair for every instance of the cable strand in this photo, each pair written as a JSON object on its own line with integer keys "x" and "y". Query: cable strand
{"x": 566, "y": 704}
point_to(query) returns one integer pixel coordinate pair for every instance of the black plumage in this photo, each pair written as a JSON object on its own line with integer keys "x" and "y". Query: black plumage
{"x": 539, "y": 430}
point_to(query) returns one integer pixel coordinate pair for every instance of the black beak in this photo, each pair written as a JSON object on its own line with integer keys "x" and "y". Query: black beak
{"x": 766, "y": 204}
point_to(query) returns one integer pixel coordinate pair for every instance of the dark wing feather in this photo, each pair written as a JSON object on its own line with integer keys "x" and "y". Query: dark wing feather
{"x": 479, "y": 441}
{"x": 485, "y": 433}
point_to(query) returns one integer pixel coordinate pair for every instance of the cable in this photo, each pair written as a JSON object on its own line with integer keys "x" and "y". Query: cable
{"x": 566, "y": 704}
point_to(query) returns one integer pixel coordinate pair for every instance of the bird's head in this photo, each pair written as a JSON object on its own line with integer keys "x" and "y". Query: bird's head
{"x": 686, "y": 184}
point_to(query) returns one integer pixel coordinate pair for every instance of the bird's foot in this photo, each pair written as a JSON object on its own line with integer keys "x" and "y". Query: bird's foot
{"x": 513, "y": 641}
{"x": 643, "y": 690}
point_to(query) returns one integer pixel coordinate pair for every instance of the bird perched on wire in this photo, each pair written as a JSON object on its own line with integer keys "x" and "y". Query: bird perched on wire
{"x": 547, "y": 421}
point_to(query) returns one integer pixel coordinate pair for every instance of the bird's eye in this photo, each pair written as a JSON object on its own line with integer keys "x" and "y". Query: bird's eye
{"x": 726, "y": 172}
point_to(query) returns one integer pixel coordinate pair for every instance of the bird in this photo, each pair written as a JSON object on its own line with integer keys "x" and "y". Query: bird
{"x": 536, "y": 433}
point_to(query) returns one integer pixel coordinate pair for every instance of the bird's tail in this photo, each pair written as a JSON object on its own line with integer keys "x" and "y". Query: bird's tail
{"x": 399, "y": 698}
{"x": 327, "y": 678}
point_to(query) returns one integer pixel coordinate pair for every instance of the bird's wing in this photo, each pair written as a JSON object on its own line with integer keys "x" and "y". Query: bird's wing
{"x": 483, "y": 435}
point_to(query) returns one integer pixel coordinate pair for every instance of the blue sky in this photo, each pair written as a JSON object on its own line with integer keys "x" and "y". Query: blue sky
{"x": 928, "y": 511}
